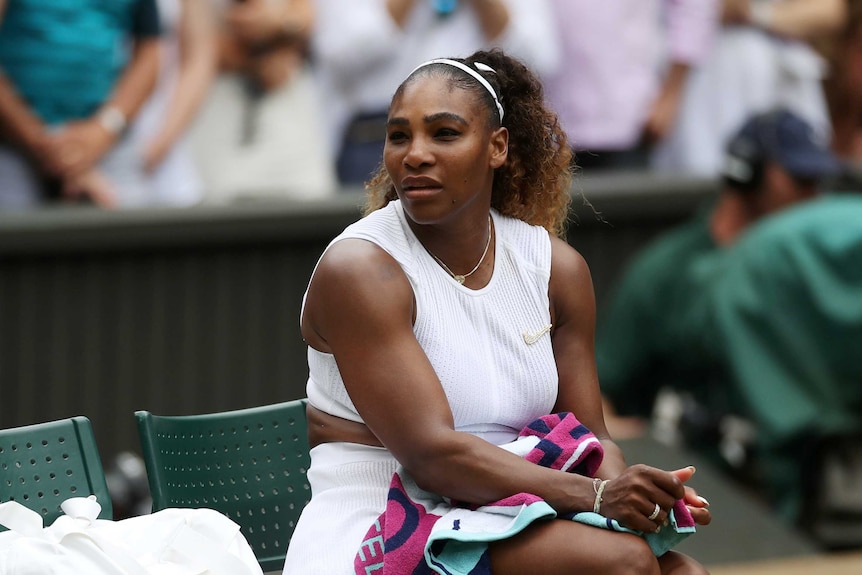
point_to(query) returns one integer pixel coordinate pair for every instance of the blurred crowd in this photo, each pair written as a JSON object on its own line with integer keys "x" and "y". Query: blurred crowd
{"x": 180, "y": 102}
{"x": 143, "y": 103}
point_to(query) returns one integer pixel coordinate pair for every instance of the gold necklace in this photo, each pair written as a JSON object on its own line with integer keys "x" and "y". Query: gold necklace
{"x": 459, "y": 277}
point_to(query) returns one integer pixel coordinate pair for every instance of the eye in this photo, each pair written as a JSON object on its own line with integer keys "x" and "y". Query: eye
{"x": 446, "y": 134}
{"x": 397, "y": 137}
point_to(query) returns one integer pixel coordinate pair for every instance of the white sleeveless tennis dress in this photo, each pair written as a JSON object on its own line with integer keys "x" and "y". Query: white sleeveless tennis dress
{"x": 491, "y": 349}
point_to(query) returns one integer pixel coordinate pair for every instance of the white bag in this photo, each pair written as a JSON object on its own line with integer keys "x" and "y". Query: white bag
{"x": 169, "y": 542}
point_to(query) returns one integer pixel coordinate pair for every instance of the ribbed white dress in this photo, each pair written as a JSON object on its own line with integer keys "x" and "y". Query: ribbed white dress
{"x": 491, "y": 349}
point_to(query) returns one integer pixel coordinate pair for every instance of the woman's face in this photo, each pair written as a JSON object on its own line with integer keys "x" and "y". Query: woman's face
{"x": 440, "y": 152}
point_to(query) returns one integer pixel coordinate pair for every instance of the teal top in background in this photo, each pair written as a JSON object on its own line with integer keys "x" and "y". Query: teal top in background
{"x": 769, "y": 328}
{"x": 65, "y": 56}
{"x": 778, "y": 314}
{"x": 642, "y": 340}
{"x": 787, "y": 307}
{"x": 786, "y": 314}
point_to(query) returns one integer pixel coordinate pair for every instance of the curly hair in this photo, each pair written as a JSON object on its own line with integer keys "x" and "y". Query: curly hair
{"x": 533, "y": 184}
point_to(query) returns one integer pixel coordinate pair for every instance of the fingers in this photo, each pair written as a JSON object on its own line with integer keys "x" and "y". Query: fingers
{"x": 692, "y": 499}
{"x": 637, "y": 517}
{"x": 701, "y": 515}
{"x": 641, "y": 497}
{"x": 684, "y": 474}
{"x": 657, "y": 520}
{"x": 653, "y": 520}
{"x": 698, "y": 506}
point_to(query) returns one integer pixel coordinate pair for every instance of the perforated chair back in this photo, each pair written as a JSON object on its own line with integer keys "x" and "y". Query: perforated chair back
{"x": 44, "y": 464}
{"x": 249, "y": 464}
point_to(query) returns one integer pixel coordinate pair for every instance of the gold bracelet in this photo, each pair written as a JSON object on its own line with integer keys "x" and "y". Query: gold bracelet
{"x": 599, "y": 489}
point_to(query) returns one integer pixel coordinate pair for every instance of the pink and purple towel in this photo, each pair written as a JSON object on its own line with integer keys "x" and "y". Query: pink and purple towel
{"x": 422, "y": 533}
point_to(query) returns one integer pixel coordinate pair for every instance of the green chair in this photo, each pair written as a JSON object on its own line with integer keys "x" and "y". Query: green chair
{"x": 44, "y": 464}
{"x": 249, "y": 464}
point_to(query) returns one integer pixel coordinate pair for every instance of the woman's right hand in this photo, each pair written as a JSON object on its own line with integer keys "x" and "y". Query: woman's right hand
{"x": 632, "y": 496}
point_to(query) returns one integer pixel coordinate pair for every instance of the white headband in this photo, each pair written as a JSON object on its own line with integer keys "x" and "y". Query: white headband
{"x": 473, "y": 73}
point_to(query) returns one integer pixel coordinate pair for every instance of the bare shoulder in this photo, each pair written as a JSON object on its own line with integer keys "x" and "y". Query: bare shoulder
{"x": 571, "y": 285}
{"x": 357, "y": 286}
{"x": 357, "y": 260}
{"x": 568, "y": 266}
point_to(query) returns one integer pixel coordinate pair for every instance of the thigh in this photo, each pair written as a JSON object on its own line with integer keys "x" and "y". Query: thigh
{"x": 562, "y": 547}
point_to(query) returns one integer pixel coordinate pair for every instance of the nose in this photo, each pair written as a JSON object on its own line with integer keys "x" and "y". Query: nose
{"x": 418, "y": 153}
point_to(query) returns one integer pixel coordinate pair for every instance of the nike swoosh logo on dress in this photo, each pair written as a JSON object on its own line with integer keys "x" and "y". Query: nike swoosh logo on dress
{"x": 531, "y": 338}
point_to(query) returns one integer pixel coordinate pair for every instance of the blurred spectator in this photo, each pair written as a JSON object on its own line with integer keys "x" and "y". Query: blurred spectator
{"x": 364, "y": 48}
{"x": 762, "y": 59}
{"x": 843, "y": 86}
{"x": 167, "y": 174}
{"x": 649, "y": 334}
{"x": 786, "y": 324}
{"x": 626, "y": 63}
{"x": 67, "y": 93}
{"x": 259, "y": 134}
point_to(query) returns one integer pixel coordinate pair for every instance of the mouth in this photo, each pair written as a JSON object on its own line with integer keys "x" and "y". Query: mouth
{"x": 420, "y": 185}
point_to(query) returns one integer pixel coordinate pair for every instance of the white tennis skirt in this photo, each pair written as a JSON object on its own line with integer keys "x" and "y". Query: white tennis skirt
{"x": 349, "y": 485}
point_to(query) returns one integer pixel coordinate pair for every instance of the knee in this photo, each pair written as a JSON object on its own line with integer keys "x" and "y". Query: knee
{"x": 679, "y": 564}
{"x": 634, "y": 556}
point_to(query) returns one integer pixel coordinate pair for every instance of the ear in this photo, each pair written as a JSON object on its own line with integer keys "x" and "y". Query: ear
{"x": 499, "y": 147}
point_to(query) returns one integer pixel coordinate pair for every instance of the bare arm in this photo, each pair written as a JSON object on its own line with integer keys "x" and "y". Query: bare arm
{"x": 81, "y": 144}
{"x": 573, "y": 315}
{"x": 493, "y": 17}
{"x": 19, "y": 124}
{"x": 807, "y": 19}
{"x": 196, "y": 70}
{"x": 399, "y": 10}
{"x": 689, "y": 28}
{"x": 299, "y": 20}
{"x": 261, "y": 22}
{"x": 666, "y": 106}
{"x": 631, "y": 491}
{"x": 138, "y": 79}
{"x": 801, "y": 19}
